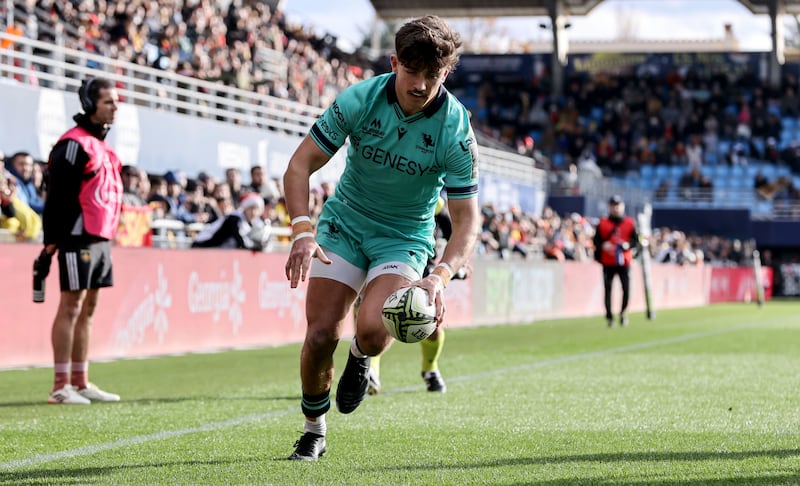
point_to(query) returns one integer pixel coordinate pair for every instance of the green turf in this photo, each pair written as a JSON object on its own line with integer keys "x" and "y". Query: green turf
{"x": 699, "y": 396}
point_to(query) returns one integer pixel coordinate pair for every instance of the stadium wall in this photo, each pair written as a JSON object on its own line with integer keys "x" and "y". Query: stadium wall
{"x": 181, "y": 301}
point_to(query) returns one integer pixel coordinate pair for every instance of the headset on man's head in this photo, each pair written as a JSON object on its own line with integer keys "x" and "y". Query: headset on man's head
{"x": 85, "y": 94}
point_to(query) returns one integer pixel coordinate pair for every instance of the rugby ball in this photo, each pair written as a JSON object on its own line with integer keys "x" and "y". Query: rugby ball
{"x": 407, "y": 315}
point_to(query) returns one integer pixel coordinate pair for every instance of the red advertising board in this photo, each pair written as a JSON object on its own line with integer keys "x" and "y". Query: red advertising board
{"x": 178, "y": 301}
{"x": 163, "y": 301}
{"x": 171, "y": 301}
{"x": 737, "y": 284}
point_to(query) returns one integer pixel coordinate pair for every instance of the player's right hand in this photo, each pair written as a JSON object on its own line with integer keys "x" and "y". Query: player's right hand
{"x": 299, "y": 261}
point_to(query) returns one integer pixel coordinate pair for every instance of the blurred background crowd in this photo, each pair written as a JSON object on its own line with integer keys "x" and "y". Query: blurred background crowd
{"x": 681, "y": 135}
{"x": 202, "y": 199}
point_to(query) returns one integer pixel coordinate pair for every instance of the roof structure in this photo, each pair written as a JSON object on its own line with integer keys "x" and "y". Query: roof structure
{"x": 525, "y": 8}
{"x": 479, "y": 8}
{"x": 762, "y": 6}
{"x": 560, "y": 9}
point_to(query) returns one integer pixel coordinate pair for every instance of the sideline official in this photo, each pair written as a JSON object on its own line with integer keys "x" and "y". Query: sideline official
{"x": 81, "y": 215}
{"x": 614, "y": 242}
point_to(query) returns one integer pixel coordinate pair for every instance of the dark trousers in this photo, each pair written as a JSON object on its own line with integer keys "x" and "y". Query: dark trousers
{"x": 624, "y": 279}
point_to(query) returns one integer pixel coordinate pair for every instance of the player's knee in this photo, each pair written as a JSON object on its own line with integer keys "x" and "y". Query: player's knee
{"x": 321, "y": 338}
{"x": 373, "y": 340}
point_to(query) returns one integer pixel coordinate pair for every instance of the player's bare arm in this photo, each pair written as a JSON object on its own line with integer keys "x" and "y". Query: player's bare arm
{"x": 465, "y": 215}
{"x": 307, "y": 159}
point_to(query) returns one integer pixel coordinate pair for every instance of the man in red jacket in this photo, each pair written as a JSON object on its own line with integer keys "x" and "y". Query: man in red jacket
{"x": 81, "y": 215}
{"x": 614, "y": 241}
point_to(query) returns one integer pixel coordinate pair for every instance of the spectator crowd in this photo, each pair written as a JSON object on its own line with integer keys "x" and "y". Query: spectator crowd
{"x": 242, "y": 43}
{"x": 605, "y": 124}
{"x": 201, "y": 200}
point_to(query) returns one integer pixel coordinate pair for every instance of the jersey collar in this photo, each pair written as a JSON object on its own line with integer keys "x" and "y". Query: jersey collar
{"x": 429, "y": 111}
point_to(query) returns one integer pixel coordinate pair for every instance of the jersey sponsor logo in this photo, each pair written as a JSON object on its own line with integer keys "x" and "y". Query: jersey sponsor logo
{"x": 373, "y": 129}
{"x": 355, "y": 141}
{"x": 339, "y": 117}
{"x": 426, "y": 147}
{"x": 470, "y": 146}
{"x": 390, "y": 266}
{"x": 401, "y": 131}
{"x": 397, "y": 162}
{"x": 333, "y": 231}
{"x": 327, "y": 130}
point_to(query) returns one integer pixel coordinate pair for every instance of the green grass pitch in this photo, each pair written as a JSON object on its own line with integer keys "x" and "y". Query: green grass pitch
{"x": 705, "y": 396}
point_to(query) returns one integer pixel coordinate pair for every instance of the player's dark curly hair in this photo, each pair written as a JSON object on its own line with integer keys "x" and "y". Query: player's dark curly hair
{"x": 427, "y": 44}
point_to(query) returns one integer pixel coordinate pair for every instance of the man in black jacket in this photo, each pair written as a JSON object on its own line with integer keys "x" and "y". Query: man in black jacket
{"x": 81, "y": 215}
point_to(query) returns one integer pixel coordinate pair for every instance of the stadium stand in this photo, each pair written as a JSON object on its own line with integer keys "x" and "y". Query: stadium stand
{"x": 633, "y": 127}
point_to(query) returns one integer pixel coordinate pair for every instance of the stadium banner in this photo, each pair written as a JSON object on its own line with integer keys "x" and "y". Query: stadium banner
{"x": 737, "y": 284}
{"x": 510, "y": 291}
{"x": 526, "y": 69}
{"x": 163, "y": 302}
{"x": 180, "y": 301}
{"x": 662, "y": 64}
{"x": 672, "y": 287}
{"x": 458, "y": 303}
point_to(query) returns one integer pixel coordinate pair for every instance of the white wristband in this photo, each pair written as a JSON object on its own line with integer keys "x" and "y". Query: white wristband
{"x": 300, "y": 219}
{"x": 447, "y": 267}
{"x": 304, "y": 234}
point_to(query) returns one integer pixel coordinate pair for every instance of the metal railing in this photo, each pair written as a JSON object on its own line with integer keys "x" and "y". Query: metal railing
{"x": 41, "y": 64}
{"x": 171, "y": 233}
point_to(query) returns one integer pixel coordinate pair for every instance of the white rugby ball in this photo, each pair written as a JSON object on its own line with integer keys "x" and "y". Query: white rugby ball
{"x": 407, "y": 315}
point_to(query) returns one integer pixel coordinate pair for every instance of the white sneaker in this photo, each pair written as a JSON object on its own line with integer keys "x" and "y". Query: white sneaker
{"x": 95, "y": 394}
{"x": 68, "y": 395}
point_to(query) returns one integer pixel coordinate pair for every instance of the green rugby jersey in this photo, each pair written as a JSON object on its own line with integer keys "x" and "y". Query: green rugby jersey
{"x": 396, "y": 165}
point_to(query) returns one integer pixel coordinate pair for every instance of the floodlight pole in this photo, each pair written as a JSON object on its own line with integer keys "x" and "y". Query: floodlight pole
{"x": 776, "y": 58}
{"x": 559, "y": 25}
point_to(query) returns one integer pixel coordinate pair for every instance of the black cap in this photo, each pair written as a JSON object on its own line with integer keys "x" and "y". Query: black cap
{"x": 615, "y": 199}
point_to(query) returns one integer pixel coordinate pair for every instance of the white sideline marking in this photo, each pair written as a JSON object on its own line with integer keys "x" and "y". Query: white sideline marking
{"x": 587, "y": 355}
{"x": 141, "y": 439}
{"x": 169, "y": 434}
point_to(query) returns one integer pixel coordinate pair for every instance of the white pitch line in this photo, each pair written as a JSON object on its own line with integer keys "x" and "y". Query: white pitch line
{"x": 141, "y": 439}
{"x": 583, "y": 356}
{"x": 169, "y": 434}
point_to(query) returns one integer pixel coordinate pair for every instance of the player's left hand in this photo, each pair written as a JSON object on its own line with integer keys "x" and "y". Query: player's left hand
{"x": 433, "y": 286}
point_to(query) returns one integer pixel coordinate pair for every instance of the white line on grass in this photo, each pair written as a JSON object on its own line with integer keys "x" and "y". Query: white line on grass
{"x": 587, "y": 355}
{"x": 169, "y": 434}
{"x": 141, "y": 439}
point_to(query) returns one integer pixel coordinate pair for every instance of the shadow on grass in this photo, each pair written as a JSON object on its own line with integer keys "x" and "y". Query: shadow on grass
{"x": 626, "y": 457}
{"x": 89, "y": 475}
{"x": 153, "y": 401}
{"x": 748, "y": 480}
